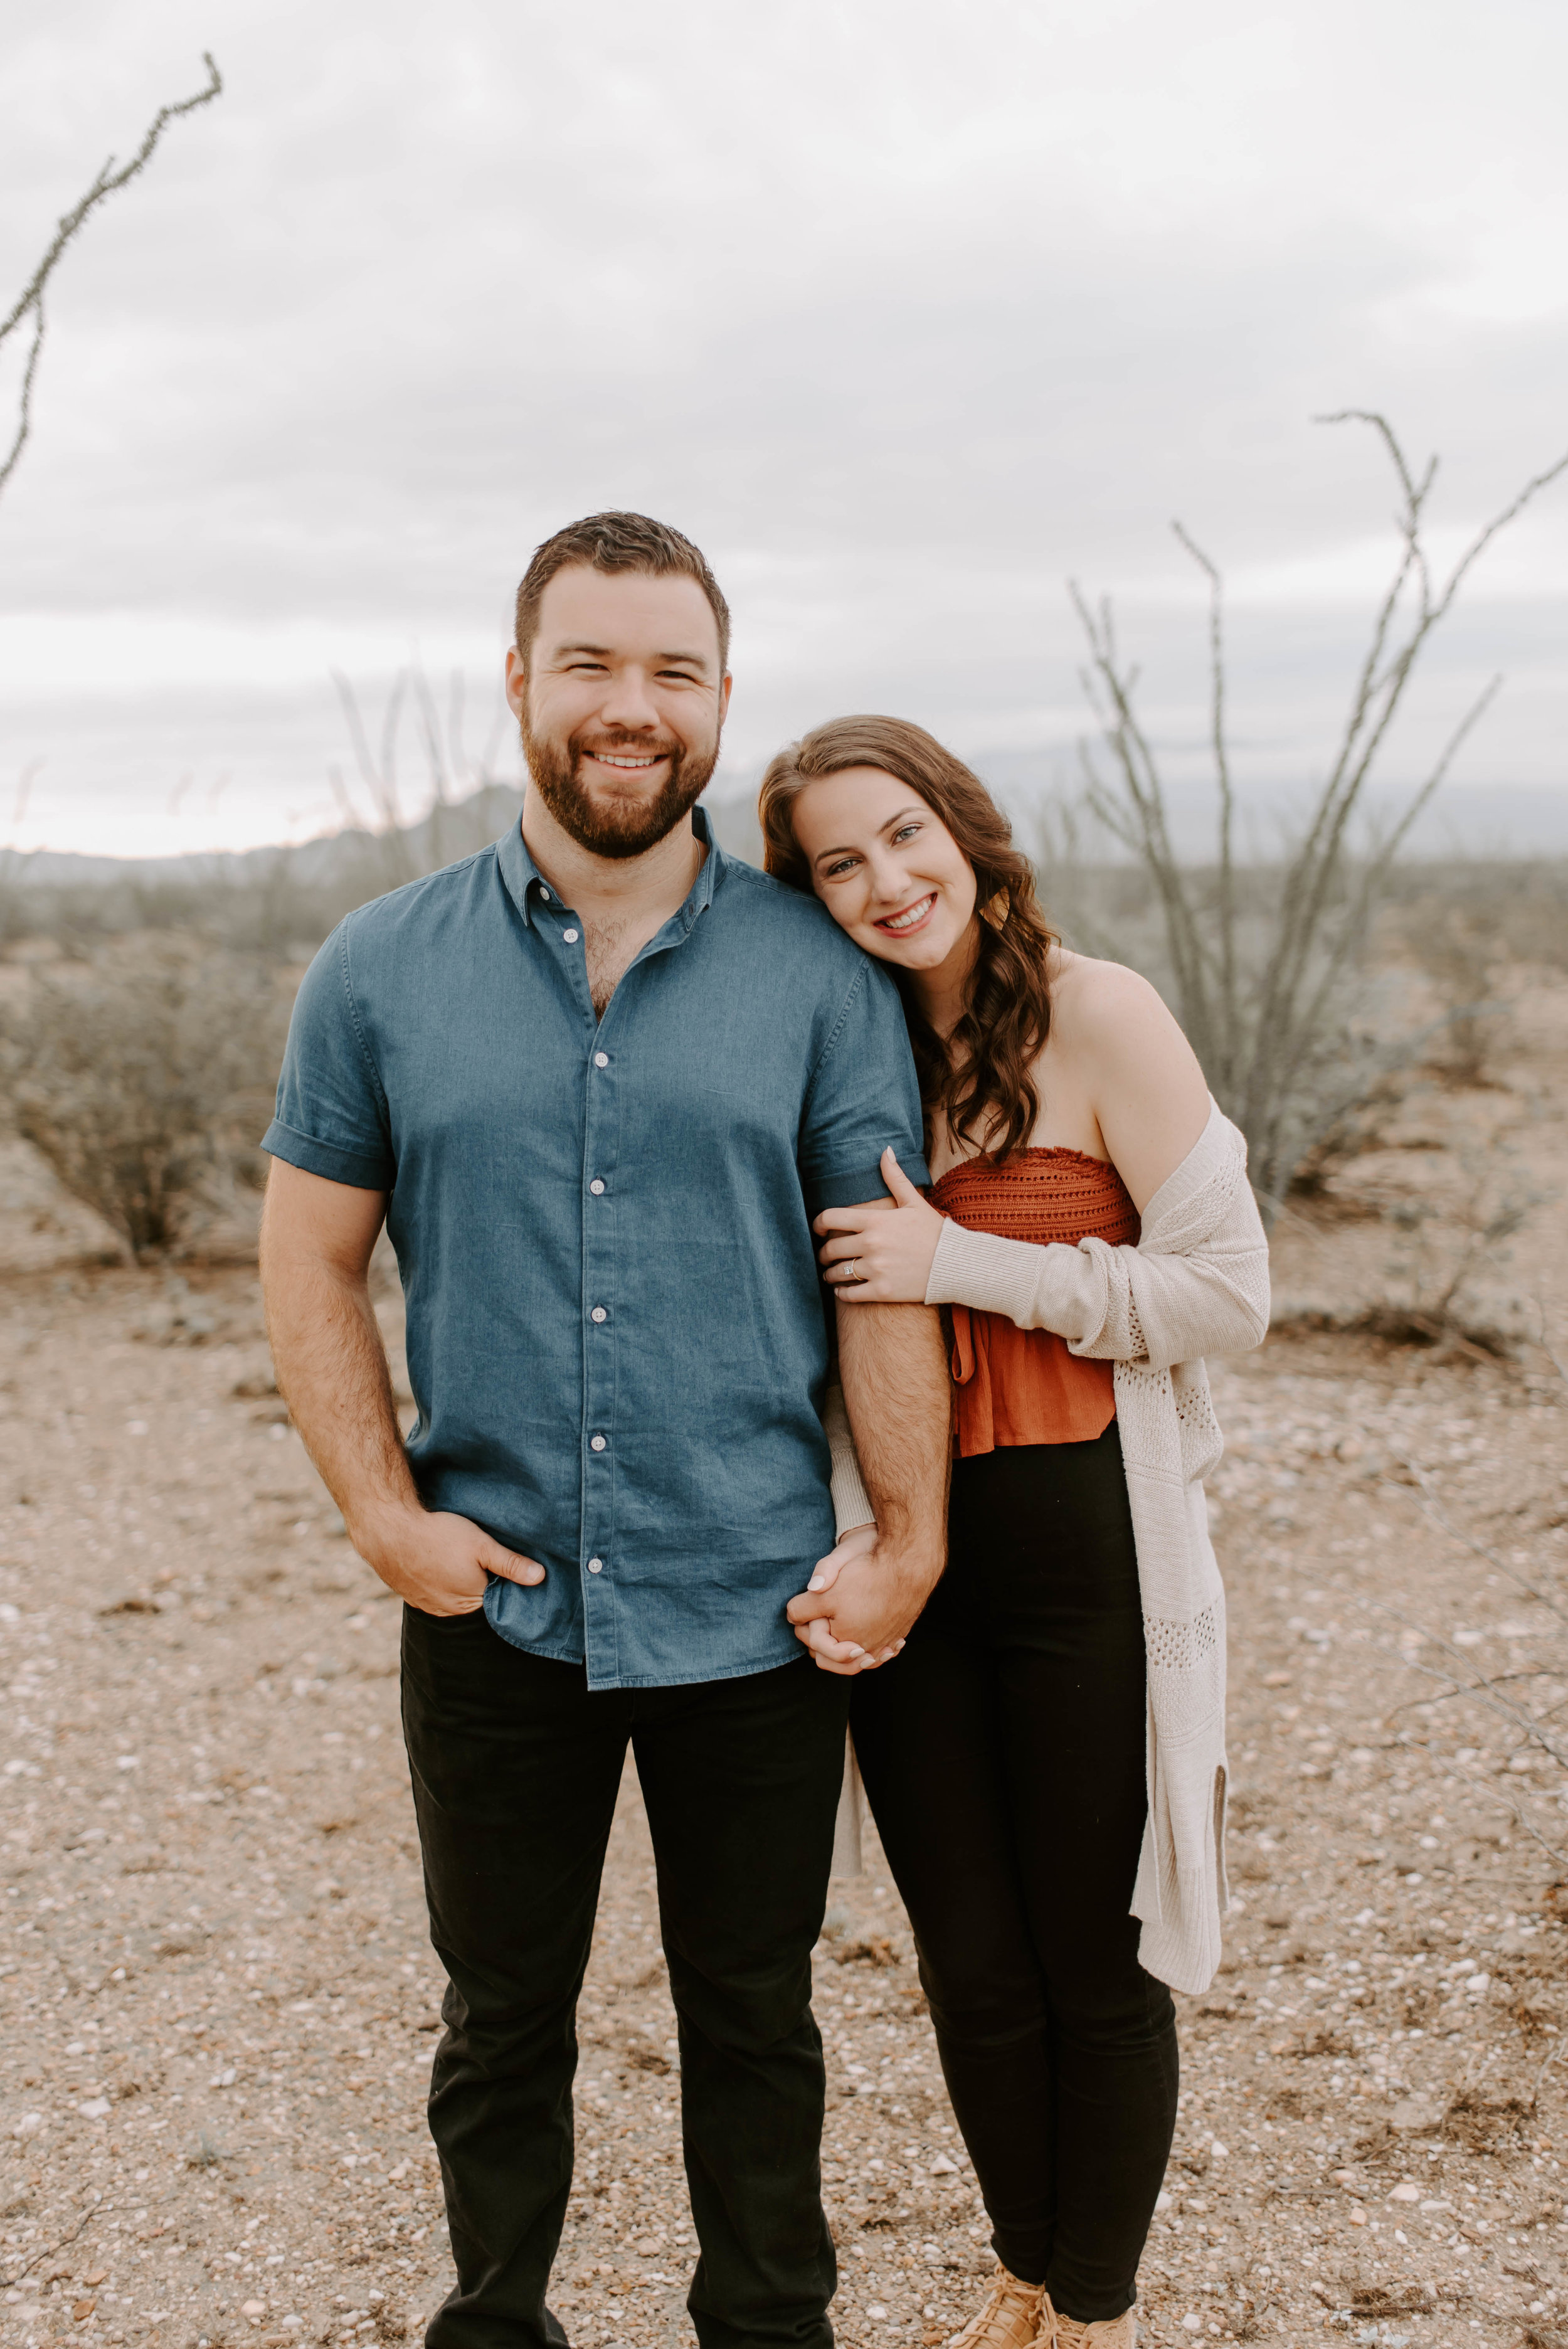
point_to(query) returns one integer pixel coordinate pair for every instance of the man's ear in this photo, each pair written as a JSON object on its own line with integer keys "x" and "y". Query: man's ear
{"x": 516, "y": 681}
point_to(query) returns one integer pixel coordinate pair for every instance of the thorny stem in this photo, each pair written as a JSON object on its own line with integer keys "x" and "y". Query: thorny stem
{"x": 1434, "y": 1510}
{"x": 1467, "y": 1686}
{"x": 108, "y": 182}
{"x": 1256, "y": 1054}
{"x": 1227, "y": 903}
{"x": 1422, "y": 1746}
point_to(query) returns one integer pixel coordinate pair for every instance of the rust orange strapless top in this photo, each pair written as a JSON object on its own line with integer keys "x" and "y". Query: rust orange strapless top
{"x": 1022, "y": 1386}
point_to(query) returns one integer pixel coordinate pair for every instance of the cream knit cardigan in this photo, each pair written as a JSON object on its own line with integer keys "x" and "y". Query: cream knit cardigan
{"x": 1196, "y": 1284}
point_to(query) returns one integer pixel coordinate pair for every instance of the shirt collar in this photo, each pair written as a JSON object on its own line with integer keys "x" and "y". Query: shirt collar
{"x": 530, "y": 892}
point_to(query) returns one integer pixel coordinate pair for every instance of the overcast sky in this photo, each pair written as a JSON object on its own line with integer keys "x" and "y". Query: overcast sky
{"x": 907, "y": 310}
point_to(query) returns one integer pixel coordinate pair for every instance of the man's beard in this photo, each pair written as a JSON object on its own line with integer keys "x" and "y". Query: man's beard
{"x": 622, "y": 824}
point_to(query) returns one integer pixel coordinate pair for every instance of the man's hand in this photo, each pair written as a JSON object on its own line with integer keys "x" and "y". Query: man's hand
{"x": 863, "y": 1601}
{"x": 439, "y": 1562}
{"x": 845, "y": 1656}
{"x": 881, "y": 1254}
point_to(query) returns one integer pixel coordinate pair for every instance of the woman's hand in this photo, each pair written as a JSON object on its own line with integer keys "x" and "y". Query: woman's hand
{"x": 881, "y": 1255}
{"x": 815, "y": 1632}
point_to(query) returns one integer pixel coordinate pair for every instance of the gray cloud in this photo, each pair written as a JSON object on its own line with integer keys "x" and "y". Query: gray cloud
{"x": 906, "y": 312}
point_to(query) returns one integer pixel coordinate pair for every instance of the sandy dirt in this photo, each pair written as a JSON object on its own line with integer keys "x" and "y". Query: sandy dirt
{"x": 220, "y": 2001}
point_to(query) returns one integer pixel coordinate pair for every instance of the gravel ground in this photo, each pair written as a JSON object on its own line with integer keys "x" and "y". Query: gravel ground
{"x": 220, "y": 2000}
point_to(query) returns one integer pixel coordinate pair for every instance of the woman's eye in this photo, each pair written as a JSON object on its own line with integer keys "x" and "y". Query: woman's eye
{"x": 836, "y": 872}
{"x": 904, "y": 832}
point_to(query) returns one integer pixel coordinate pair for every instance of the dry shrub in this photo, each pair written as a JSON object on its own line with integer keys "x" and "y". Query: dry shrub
{"x": 1267, "y": 966}
{"x": 144, "y": 1079}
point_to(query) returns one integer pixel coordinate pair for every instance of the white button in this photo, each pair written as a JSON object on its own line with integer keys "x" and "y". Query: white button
{"x": 598, "y": 1314}
{"x": 597, "y": 1188}
{"x": 544, "y": 893}
{"x": 601, "y": 1059}
{"x": 596, "y": 1566}
{"x": 570, "y": 937}
{"x": 595, "y": 1443}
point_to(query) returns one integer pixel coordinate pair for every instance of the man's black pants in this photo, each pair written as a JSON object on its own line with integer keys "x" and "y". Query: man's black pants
{"x": 516, "y": 1767}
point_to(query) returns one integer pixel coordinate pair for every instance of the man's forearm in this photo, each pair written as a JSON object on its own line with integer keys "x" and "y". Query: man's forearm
{"x": 332, "y": 1371}
{"x": 894, "y": 1367}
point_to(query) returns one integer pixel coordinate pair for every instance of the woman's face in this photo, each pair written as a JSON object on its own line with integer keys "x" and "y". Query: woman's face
{"x": 886, "y": 867}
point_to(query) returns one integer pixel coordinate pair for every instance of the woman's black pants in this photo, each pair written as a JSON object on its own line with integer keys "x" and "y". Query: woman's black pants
{"x": 1003, "y": 1752}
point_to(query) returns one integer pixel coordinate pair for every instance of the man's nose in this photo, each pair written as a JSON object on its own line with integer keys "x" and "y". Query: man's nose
{"x": 629, "y": 702}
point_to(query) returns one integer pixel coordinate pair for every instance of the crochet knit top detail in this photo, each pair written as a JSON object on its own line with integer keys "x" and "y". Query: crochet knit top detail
{"x": 1022, "y": 1386}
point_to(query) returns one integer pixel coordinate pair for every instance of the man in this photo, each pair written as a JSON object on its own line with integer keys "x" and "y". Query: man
{"x": 598, "y": 1080}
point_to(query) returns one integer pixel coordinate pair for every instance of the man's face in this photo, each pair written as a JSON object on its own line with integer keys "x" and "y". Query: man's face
{"x": 621, "y": 705}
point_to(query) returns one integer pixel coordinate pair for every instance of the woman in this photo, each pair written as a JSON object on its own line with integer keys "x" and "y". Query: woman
{"x": 1046, "y": 1758}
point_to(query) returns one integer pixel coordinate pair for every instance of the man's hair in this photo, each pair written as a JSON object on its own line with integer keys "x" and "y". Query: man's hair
{"x": 617, "y": 542}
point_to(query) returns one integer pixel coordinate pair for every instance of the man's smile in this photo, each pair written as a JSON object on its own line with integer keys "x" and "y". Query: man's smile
{"x": 630, "y": 762}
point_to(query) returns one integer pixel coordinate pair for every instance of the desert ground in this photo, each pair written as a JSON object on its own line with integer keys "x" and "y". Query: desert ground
{"x": 220, "y": 2000}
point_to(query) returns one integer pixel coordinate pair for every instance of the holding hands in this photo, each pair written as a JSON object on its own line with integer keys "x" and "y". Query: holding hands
{"x": 854, "y": 1624}
{"x": 881, "y": 1254}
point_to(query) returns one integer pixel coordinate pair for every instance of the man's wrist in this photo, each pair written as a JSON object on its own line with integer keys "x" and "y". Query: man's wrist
{"x": 380, "y": 1527}
{"x": 918, "y": 1554}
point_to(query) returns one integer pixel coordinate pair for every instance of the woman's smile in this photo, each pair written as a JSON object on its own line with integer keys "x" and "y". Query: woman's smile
{"x": 913, "y": 917}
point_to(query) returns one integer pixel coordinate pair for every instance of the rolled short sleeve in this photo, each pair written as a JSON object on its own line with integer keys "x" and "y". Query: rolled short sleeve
{"x": 864, "y": 1096}
{"x": 331, "y": 1117}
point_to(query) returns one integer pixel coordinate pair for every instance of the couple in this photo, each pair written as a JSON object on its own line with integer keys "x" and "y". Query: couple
{"x": 625, "y": 1105}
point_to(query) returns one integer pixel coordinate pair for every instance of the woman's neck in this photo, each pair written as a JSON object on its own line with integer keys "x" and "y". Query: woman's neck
{"x": 942, "y": 993}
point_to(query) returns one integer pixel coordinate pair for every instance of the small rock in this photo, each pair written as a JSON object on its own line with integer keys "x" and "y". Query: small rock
{"x": 82, "y": 2309}
{"x": 1406, "y": 2194}
{"x": 30, "y": 2125}
{"x": 942, "y": 2167}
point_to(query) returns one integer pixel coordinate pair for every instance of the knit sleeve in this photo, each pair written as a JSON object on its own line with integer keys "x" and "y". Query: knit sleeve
{"x": 1196, "y": 1284}
{"x": 851, "y": 1504}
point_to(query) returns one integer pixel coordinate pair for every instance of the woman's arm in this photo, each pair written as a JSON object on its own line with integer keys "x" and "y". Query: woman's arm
{"x": 1207, "y": 1294}
{"x": 1118, "y": 1048}
{"x": 852, "y": 1503}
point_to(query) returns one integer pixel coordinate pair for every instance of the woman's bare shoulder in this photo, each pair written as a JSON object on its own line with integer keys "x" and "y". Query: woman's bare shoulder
{"x": 1089, "y": 997}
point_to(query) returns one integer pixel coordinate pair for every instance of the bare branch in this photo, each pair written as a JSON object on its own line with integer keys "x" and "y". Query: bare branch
{"x": 108, "y": 182}
{"x": 1479, "y": 1689}
{"x": 24, "y": 404}
{"x": 1419, "y": 1745}
{"x": 1261, "y": 990}
{"x": 1439, "y": 1516}
{"x": 1223, "y": 778}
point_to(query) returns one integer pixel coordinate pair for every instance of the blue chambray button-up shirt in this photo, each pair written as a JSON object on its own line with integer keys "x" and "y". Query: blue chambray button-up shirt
{"x": 616, "y": 1335}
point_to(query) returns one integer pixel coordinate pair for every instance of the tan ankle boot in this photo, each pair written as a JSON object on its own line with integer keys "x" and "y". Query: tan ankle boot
{"x": 1058, "y": 2331}
{"x": 1009, "y": 2320}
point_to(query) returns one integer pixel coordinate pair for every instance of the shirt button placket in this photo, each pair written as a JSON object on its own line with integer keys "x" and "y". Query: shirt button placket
{"x": 598, "y": 1273}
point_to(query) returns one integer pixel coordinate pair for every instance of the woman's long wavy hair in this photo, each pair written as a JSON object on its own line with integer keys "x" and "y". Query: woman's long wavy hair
{"x": 979, "y": 1082}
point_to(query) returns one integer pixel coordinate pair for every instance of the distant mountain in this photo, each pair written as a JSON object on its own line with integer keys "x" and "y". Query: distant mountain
{"x": 337, "y": 860}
